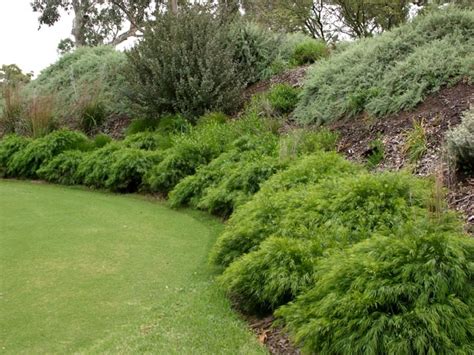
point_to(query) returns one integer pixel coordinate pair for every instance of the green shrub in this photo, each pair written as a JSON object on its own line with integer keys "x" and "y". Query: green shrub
{"x": 62, "y": 169}
{"x": 409, "y": 292}
{"x": 94, "y": 169}
{"x": 140, "y": 125}
{"x": 101, "y": 140}
{"x": 376, "y": 153}
{"x": 309, "y": 51}
{"x": 272, "y": 275}
{"x": 40, "y": 151}
{"x": 80, "y": 80}
{"x": 170, "y": 124}
{"x": 303, "y": 141}
{"x": 391, "y": 72}
{"x": 148, "y": 141}
{"x": 283, "y": 98}
{"x": 9, "y": 145}
{"x": 261, "y": 217}
{"x": 213, "y": 117}
{"x": 461, "y": 143}
{"x": 184, "y": 64}
{"x": 128, "y": 167}
{"x": 348, "y": 208}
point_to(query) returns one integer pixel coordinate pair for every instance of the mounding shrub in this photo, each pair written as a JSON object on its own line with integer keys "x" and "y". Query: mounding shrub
{"x": 283, "y": 98}
{"x": 148, "y": 141}
{"x": 87, "y": 85}
{"x": 391, "y": 72}
{"x": 128, "y": 167}
{"x": 410, "y": 292}
{"x": 335, "y": 212}
{"x": 28, "y": 160}
{"x": 9, "y": 145}
{"x": 309, "y": 51}
{"x": 303, "y": 141}
{"x": 213, "y": 117}
{"x": 101, "y": 140}
{"x": 140, "y": 125}
{"x": 184, "y": 64}
{"x": 94, "y": 169}
{"x": 62, "y": 169}
{"x": 461, "y": 144}
{"x": 261, "y": 216}
{"x": 272, "y": 275}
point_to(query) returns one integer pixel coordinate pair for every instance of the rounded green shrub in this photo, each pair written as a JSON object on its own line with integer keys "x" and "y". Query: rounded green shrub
{"x": 171, "y": 124}
{"x": 309, "y": 51}
{"x": 283, "y": 98}
{"x": 272, "y": 275}
{"x": 62, "y": 169}
{"x": 101, "y": 140}
{"x": 128, "y": 167}
{"x": 9, "y": 145}
{"x": 140, "y": 125}
{"x": 303, "y": 141}
{"x": 148, "y": 141}
{"x": 213, "y": 117}
{"x": 94, "y": 169}
{"x": 40, "y": 151}
{"x": 410, "y": 292}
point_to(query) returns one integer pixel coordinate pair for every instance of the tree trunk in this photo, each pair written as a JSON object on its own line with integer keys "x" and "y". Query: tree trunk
{"x": 174, "y": 6}
{"x": 78, "y": 23}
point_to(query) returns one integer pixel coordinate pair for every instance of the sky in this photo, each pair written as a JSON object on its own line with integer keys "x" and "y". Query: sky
{"x": 22, "y": 43}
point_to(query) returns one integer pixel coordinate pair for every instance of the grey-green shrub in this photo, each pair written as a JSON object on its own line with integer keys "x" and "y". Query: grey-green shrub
{"x": 406, "y": 292}
{"x": 62, "y": 169}
{"x": 393, "y": 71}
{"x": 9, "y": 145}
{"x": 460, "y": 142}
{"x": 184, "y": 64}
{"x": 28, "y": 160}
{"x": 84, "y": 82}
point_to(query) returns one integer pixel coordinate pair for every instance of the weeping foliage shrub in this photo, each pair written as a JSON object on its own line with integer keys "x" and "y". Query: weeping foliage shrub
{"x": 148, "y": 141}
{"x": 393, "y": 71}
{"x": 9, "y": 145}
{"x": 261, "y": 217}
{"x": 62, "y": 169}
{"x": 94, "y": 169}
{"x": 28, "y": 160}
{"x": 191, "y": 189}
{"x": 184, "y": 64}
{"x": 410, "y": 292}
{"x": 197, "y": 148}
{"x": 128, "y": 167}
{"x": 270, "y": 276}
{"x": 461, "y": 144}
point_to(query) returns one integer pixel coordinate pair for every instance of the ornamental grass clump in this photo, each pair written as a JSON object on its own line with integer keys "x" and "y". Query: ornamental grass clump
{"x": 410, "y": 291}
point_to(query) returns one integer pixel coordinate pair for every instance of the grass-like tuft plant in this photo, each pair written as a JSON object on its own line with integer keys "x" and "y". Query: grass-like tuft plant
{"x": 415, "y": 142}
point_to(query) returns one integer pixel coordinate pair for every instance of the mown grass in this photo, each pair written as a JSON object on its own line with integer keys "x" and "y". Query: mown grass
{"x": 86, "y": 272}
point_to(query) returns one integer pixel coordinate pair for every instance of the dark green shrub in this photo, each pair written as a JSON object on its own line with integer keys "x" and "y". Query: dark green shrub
{"x": 128, "y": 168}
{"x": 391, "y": 72}
{"x": 40, "y": 151}
{"x": 272, "y": 275}
{"x": 461, "y": 143}
{"x": 62, "y": 169}
{"x": 261, "y": 217}
{"x": 184, "y": 64}
{"x": 101, "y": 140}
{"x": 94, "y": 169}
{"x": 9, "y": 145}
{"x": 410, "y": 292}
{"x": 309, "y": 51}
{"x": 283, "y": 98}
{"x": 148, "y": 141}
{"x": 348, "y": 208}
{"x": 140, "y": 125}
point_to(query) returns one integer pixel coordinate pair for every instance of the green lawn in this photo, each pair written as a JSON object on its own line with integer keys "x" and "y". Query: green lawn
{"x": 90, "y": 272}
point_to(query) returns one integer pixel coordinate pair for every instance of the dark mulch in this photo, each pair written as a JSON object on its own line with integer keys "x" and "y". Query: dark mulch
{"x": 438, "y": 113}
{"x": 115, "y": 126}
